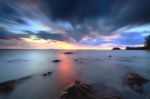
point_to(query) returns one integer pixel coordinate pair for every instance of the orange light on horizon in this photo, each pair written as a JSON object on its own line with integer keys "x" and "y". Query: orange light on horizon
{"x": 36, "y": 43}
{"x": 53, "y": 44}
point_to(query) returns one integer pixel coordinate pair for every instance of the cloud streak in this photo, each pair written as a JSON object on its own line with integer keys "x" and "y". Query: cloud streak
{"x": 81, "y": 22}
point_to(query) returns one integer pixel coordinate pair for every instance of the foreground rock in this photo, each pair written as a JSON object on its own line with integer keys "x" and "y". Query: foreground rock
{"x": 136, "y": 82}
{"x": 8, "y": 86}
{"x": 78, "y": 90}
{"x": 69, "y": 53}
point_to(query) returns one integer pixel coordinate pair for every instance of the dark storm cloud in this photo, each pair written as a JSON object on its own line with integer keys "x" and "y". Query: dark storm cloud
{"x": 9, "y": 13}
{"x": 46, "y": 36}
{"x": 102, "y": 16}
{"x": 85, "y": 17}
{"x": 117, "y": 13}
{"x": 79, "y": 9}
{"x": 6, "y": 35}
{"x": 136, "y": 12}
{"x": 6, "y": 10}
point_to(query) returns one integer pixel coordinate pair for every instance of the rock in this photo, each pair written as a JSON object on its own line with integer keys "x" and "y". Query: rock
{"x": 77, "y": 90}
{"x": 7, "y": 86}
{"x": 24, "y": 78}
{"x": 112, "y": 97}
{"x": 48, "y": 73}
{"x": 110, "y": 56}
{"x": 69, "y": 53}
{"x": 116, "y": 48}
{"x": 56, "y": 61}
{"x": 97, "y": 59}
{"x": 76, "y": 60}
{"x": 81, "y": 62}
{"x": 136, "y": 82}
{"x": 45, "y": 74}
{"x": 17, "y": 60}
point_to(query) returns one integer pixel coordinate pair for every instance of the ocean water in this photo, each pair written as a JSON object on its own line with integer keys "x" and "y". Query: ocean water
{"x": 105, "y": 74}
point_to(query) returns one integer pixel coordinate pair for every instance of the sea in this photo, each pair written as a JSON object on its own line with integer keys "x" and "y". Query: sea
{"x": 105, "y": 71}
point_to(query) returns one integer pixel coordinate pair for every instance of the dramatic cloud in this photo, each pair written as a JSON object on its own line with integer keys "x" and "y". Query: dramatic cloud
{"x": 4, "y": 34}
{"x": 46, "y": 36}
{"x": 100, "y": 23}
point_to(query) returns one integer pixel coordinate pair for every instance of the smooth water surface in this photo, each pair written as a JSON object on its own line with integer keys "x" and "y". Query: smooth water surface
{"x": 93, "y": 67}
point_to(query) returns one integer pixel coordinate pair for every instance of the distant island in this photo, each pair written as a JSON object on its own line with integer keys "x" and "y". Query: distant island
{"x": 116, "y": 48}
{"x": 145, "y": 47}
{"x": 136, "y": 48}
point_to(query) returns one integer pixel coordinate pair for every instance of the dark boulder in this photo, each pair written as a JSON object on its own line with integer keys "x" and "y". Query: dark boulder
{"x": 77, "y": 90}
{"x": 136, "y": 82}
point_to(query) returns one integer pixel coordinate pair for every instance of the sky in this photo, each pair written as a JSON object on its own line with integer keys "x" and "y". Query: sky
{"x": 73, "y": 24}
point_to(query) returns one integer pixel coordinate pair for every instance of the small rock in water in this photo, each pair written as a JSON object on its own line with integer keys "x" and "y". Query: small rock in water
{"x": 110, "y": 56}
{"x": 97, "y": 59}
{"x": 69, "y": 53}
{"x": 136, "y": 82}
{"x": 78, "y": 90}
{"x": 45, "y": 74}
{"x": 56, "y": 61}
{"x": 76, "y": 60}
{"x": 48, "y": 73}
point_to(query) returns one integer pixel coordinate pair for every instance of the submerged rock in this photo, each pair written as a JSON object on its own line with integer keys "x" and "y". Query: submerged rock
{"x": 69, "y": 53}
{"x": 45, "y": 74}
{"x": 17, "y": 60}
{"x": 7, "y": 86}
{"x": 136, "y": 82}
{"x": 78, "y": 90}
{"x": 56, "y": 61}
{"x": 76, "y": 60}
{"x": 48, "y": 73}
{"x": 24, "y": 78}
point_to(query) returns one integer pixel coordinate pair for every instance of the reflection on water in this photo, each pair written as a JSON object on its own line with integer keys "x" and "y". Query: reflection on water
{"x": 66, "y": 70}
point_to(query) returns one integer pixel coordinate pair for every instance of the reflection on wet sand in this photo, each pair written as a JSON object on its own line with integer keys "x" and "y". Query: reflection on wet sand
{"x": 66, "y": 71}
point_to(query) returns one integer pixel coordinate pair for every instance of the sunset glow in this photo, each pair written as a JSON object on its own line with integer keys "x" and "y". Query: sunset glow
{"x": 26, "y": 24}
